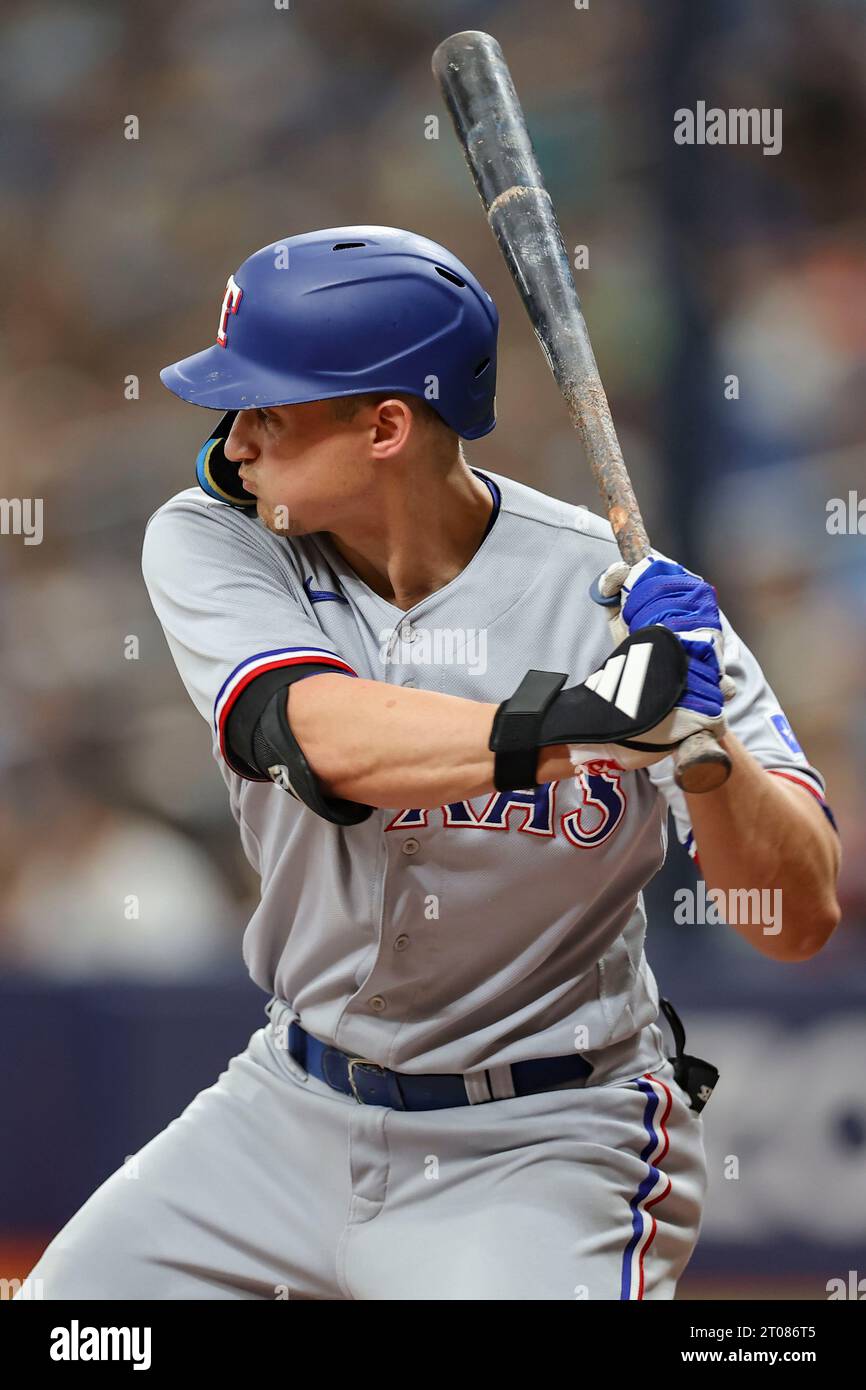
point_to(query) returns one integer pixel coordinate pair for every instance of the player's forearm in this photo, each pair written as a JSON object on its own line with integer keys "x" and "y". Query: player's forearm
{"x": 384, "y": 745}
{"x": 759, "y": 832}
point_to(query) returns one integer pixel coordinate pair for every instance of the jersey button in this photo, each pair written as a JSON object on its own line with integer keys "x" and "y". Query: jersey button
{"x": 377, "y": 1003}
{"x": 401, "y": 942}
{"x": 411, "y": 846}
{"x": 407, "y": 631}
{"x": 410, "y": 681}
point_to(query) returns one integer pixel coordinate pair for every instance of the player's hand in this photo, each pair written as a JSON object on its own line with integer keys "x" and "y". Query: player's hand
{"x": 661, "y": 591}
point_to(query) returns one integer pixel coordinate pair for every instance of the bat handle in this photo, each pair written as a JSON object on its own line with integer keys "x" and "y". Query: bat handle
{"x": 701, "y": 764}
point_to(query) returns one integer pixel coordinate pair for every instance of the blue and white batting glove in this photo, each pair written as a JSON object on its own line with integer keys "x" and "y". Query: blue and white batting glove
{"x": 661, "y": 591}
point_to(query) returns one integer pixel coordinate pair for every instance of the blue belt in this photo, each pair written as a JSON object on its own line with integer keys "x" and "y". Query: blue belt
{"x": 371, "y": 1084}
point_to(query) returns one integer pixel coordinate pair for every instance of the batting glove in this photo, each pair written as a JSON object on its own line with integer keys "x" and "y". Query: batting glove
{"x": 661, "y": 591}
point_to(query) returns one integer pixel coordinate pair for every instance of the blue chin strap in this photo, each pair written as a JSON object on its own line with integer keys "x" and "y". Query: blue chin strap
{"x": 218, "y": 476}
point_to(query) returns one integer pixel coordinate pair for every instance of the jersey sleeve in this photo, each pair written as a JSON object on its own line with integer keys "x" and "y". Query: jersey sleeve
{"x": 229, "y": 611}
{"x": 756, "y": 717}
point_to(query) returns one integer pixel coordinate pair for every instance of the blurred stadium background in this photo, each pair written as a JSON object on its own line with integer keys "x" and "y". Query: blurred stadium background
{"x": 256, "y": 123}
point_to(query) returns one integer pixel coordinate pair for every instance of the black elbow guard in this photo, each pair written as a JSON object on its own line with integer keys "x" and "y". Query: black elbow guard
{"x": 262, "y": 741}
{"x": 278, "y": 755}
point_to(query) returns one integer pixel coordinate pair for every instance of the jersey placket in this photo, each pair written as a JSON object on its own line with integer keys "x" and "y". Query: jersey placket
{"x": 392, "y": 983}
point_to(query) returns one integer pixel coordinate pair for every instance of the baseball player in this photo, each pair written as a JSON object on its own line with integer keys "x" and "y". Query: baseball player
{"x": 450, "y": 763}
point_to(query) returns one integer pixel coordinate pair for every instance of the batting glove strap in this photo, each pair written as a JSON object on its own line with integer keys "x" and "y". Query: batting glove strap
{"x": 516, "y": 733}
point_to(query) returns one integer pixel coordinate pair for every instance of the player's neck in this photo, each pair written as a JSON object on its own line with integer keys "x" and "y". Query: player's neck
{"x": 422, "y": 534}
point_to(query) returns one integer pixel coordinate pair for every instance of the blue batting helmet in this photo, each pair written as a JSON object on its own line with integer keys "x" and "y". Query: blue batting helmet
{"x": 342, "y": 312}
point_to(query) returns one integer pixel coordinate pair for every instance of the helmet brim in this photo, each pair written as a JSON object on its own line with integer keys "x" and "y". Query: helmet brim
{"x": 223, "y": 380}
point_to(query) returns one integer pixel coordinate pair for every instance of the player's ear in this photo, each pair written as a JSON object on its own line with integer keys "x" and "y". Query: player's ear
{"x": 393, "y": 423}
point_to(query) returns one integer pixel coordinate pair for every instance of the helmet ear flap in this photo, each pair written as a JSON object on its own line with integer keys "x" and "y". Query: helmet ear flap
{"x": 218, "y": 476}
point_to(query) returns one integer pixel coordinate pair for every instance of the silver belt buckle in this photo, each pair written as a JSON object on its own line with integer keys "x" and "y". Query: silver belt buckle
{"x": 360, "y": 1062}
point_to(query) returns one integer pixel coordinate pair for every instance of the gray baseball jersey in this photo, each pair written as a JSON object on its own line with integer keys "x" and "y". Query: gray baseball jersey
{"x": 460, "y": 939}
{"x": 480, "y": 933}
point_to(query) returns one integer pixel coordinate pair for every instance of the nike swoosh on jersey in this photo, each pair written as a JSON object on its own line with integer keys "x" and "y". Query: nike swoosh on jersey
{"x": 322, "y": 595}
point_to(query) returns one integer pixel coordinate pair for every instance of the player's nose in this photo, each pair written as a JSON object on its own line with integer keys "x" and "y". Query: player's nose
{"x": 240, "y": 445}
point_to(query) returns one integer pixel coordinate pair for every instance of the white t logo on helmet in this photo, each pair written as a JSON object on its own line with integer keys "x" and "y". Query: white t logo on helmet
{"x": 231, "y": 300}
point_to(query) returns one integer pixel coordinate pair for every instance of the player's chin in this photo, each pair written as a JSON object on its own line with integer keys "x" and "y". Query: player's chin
{"x": 281, "y": 518}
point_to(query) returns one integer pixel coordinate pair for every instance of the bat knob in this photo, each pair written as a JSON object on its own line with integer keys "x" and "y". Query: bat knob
{"x": 701, "y": 764}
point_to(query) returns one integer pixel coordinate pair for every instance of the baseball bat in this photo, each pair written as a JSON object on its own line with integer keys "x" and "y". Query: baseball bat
{"x": 491, "y": 127}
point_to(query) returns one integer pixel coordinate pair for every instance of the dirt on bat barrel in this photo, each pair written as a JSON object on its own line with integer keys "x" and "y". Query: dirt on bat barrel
{"x": 515, "y": 192}
{"x": 589, "y": 408}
